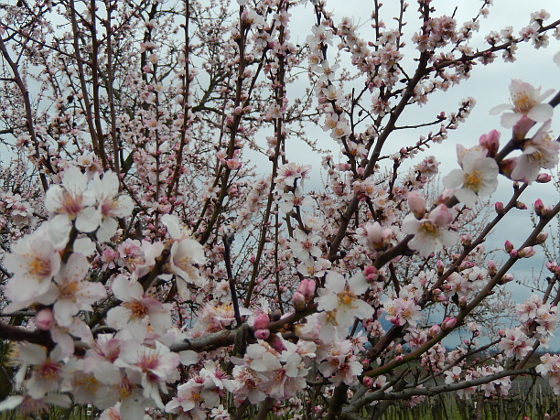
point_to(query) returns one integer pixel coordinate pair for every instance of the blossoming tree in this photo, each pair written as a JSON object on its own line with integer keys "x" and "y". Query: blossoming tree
{"x": 150, "y": 270}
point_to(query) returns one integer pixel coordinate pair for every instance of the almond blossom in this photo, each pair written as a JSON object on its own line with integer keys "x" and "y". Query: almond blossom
{"x": 110, "y": 204}
{"x": 74, "y": 294}
{"x": 541, "y": 151}
{"x": 137, "y": 307}
{"x": 527, "y": 100}
{"x": 430, "y": 234}
{"x": 341, "y": 295}
{"x": 34, "y": 261}
{"x": 149, "y": 367}
{"x": 478, "y": 177}
{"x": 74, "y": 200}
{"x": 186, "y": 255}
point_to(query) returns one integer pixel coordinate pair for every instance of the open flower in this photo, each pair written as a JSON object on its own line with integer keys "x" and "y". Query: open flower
{"x": 341, "y": 295}
{"x": 430, "y": 234}
{"x": 478, "y": 177}
{"x": 539, "y": 152}
{"x": 74, "y": 294}
{"x": 187, "y": 255}
{"x": 137, "y": 307}
{"x": 526, "y": 101}
{"x": 74, "y": 200}
{"x": 110, "y": 204}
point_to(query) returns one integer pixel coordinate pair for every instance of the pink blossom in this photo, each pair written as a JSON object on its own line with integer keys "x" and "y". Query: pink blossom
{"x": 477, "y": 178}
{"x": 110, "y": 204}
{"x": 539, "y": 152}
{"x": 73, "y": 199}
{"x": 526, "y": 101}
{"x": 342, "y": 295}
{"x": 429, "y": 234}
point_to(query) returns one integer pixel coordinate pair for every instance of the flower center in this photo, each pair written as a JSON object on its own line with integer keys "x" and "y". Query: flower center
{"x": 473, "y": 181}
{"x": 137, "y": 308}
{"x": 429, "y": 228}
{"x": 68, "y": 291}
{"x": 39, "y": 267}
{"x": 346, "y": 298}
{"x": 523, "y": 103}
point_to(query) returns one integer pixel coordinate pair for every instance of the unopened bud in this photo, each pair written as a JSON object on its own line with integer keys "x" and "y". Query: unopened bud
{"x": 371, "y": 274}
{"x": 440, "y": 267}
{"x": 307, "y": 288}
{"x": 499, "y": 207}
{"x": 417, "y": 204}
{"x": 298, "y": 301}
{"x": 261, "y": 322}
{"x": 44, "y": 320}
{"x": 526, "y": 252}
{"x": 543, "y": 178}
{"x": 434, "y": 330}
{"x": 539, "y": 207}
{"x": 553, "y": 267}
{"x": 541, "y": 238}
{"x": 521, "y": 206}
{"x": 466, "y": 240}
{"x": 508, "y": 246}
{"x": 490, "y": 142}
{"x": 492, "y": 269}
{"x": 506, "y": 278}
{"x": 448, "y": 324}
{"x": 522, "y": 127}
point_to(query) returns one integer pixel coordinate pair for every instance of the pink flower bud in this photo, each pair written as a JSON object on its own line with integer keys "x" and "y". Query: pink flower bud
{"x": 307, "y": 288}
{"x": 508, "y": 246}
{"x": 492, "y": 269}
{"x": 298, "y": 301}
{"x": 441, "y": 215}
{"x": 526, "y": 252}
{"x": 462, "y": 301}
{"x": 276, "y": 343}
{"x": 521, "y": 206}
{"x": 417, "y": 204}
{"x": 448, "y": 324}
{"x": 522, "y": 127}
{"x": 538, "y": 206}
{"x": 499, "y": 207}
{"x": 552, "y": 267}
{"x": 506, "y": 278}
{"x": 434, "y": 330}
{"x": 261, "y": 322}
{"x": 371, "y": 274}
{"x": 367, "y": 381}
{"x": 44, "y": 320}
{"x": 440, "y": 267}
{"x": 543, "y": 178}
{"x": 513, "y": 253}
{"x": 490, "y": 142}
{"x": 262, "y": 334}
